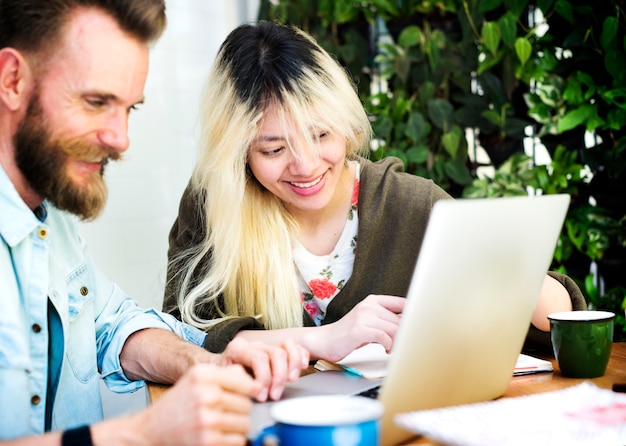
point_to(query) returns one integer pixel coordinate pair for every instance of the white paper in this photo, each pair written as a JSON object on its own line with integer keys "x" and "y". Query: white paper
{"x": 579, "y": 415}
{"x": 529, "y": 364}
{"x": 370, "y": 361}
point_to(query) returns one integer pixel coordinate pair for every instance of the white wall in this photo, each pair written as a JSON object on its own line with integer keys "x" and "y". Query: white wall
{"x": 129, "y": 240}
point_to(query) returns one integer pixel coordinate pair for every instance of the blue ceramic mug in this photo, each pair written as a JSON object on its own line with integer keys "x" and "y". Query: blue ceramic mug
{"x": 323, "y": 420}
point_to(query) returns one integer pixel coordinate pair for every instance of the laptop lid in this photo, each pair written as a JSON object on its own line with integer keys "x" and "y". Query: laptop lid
{"x": 470, "y": 302}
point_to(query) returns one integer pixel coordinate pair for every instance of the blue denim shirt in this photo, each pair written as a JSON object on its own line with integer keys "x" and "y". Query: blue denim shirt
{"x": 50, "y": 289}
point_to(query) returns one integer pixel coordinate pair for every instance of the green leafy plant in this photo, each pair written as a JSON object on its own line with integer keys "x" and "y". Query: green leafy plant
{"x": 415, "y": 121}
{"x": 342, "y": 27}
{"x": 519, "y": 175}
{"x": 593, "y": 231}
{"x": 432, "y": 72}
{"x": 613, "y": 300}
{"x": 512, "y": 178}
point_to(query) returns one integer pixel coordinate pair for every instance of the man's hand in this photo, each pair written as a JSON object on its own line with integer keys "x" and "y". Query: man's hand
{"x": 161, "y": 356}
{"x": 272, "y": 366}
{"x": 209, "y": 405}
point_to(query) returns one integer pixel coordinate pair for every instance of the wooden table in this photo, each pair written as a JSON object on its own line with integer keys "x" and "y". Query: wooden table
{"x": 546, "y": 382}
{"x": 522, "y": 385}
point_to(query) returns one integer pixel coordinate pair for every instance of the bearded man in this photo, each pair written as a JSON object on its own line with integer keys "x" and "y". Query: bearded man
{"x": 71, "y": 71}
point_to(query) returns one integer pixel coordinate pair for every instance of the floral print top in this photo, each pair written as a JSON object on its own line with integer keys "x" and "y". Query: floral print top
{"x": 322, "y": 277}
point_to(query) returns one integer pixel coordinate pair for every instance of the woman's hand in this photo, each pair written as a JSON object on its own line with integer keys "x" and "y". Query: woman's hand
{"x": 374, "y": 319}
{"x": 553, "y": 298}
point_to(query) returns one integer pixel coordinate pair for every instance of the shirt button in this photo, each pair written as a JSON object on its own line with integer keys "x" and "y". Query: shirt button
{"x": 36, "y": 328}
{"x": 43, "y": 233}
{"x": 84, "y": 290}
{"x": 35, "y": 399}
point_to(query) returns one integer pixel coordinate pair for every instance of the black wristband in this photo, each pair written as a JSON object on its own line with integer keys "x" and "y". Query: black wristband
{"x": 80, "y": 436}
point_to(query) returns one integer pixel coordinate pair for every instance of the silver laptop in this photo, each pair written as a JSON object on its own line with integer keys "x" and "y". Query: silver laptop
{"x": 470, "y": 301}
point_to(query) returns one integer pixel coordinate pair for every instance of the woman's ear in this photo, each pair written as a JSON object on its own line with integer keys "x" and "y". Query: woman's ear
{"x": 15, "y": 78}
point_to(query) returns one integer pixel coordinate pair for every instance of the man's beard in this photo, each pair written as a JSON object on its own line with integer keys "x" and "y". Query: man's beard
{"x": 43, "y": 161}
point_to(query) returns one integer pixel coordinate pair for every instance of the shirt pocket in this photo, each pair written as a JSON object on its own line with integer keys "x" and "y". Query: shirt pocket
{"x": 81, "y": 342}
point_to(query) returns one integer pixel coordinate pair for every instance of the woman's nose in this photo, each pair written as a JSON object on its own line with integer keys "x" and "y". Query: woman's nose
{"x": 305, "y": 161}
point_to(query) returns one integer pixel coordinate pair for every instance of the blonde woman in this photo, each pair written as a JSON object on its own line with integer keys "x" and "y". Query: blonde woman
{"x": 286, "y": 230}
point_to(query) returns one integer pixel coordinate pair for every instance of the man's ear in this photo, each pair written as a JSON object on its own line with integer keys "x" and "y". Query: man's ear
{"x": 15, "y": 78}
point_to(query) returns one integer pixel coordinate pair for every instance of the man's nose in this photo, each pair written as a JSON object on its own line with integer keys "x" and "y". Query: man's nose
{"x": 114, "y": 133}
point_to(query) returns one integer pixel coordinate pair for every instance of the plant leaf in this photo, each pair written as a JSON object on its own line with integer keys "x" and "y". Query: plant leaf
{"x": 451, "y": 141}
{"x": 491, "y": 36}
{"x": 417, "y": 154}
{"x": 516, "y": 6}
{"x": 523, "y": 49}
{"x": 508, "y": 28}
{"x": 575, "y": 117}
{"x": 440, "y": 112}
{"x": 564, "y": 9}
{"x": 415, "y": 127}
{"x": 615, "y": 63}
{"x": 386, "y": 7}
{"x": 410, "y": 36}
{"x": 544, "y": 5}
{"x": 382, "y": 126}
{"x": 616, "y": 96}
{"x": 458, "y": 172}
{"x": 573, "y": 93}
{"x": 493, "y": 117}
{"x": 488, "y": 5}
{"x": 609, "y": 31}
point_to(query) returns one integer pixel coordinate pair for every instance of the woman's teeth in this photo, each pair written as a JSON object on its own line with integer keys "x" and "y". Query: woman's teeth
{"x": 306, "y": 185}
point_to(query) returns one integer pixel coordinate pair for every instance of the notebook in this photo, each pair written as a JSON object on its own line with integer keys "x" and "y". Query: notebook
{"x": 469, "y": 305}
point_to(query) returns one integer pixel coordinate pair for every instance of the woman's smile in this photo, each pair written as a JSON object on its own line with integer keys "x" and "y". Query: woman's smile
{"x": 308, "y": 188}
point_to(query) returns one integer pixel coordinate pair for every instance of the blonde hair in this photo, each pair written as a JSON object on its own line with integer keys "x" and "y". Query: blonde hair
{"x": 249, "y": 232}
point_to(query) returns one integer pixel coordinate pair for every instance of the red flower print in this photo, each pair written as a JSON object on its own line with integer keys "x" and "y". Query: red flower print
{"x": 322, "y": 288}
{"x": 355, "y": 193}
{"x": 312, "y": 309}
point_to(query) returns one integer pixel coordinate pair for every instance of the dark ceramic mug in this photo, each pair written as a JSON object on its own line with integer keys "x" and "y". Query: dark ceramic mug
{"x": 582, "y": 342}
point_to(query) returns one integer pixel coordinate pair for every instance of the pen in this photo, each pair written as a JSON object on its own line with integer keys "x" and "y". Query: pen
{"x": 352, "y": 371}
{"x": 619, "y": 387}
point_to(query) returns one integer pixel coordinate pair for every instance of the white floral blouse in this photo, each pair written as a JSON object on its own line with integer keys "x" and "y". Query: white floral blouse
{"x": 322, "y": 277}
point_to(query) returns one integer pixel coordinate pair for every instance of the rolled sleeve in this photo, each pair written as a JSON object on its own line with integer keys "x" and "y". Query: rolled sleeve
{"x": 130, "y": 319}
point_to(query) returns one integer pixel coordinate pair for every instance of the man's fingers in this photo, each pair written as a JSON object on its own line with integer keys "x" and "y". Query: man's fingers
{"x": 272, "y": 366}
{"x": 232, "y": 378}
{"x": 298, "y": 358}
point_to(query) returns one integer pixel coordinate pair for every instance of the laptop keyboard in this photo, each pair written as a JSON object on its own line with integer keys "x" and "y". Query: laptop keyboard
{"x": 370, "y": 393}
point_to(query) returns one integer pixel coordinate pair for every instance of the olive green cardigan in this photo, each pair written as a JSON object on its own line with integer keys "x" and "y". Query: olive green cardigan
{"x": 393, "y": 207}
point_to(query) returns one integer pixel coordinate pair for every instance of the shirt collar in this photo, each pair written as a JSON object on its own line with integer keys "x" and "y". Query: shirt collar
{"x": 16, "y": 219}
